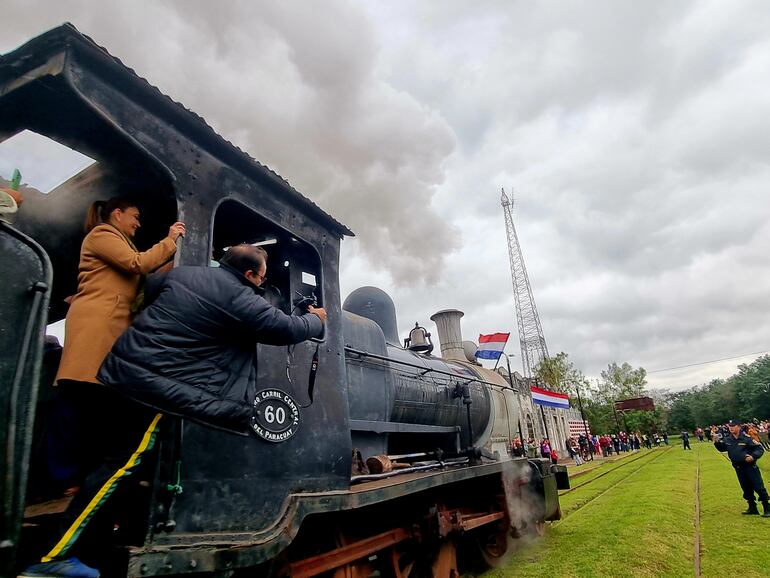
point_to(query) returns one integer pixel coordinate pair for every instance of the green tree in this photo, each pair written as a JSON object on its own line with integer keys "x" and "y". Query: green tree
{"x": 560, "y": 374}
{"x": 745, "y": 395}
{"x": 599, "y": 416}
{"x": 646, "y": 422}
{"x": 621, "y": 382}
{"x": 752, "y": 389}
{"x": 680, "y": 415}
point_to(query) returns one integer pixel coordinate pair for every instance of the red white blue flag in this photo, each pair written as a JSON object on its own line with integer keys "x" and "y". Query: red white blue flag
{"x": 550, "y": 398}
{"x": 491, "y": 346}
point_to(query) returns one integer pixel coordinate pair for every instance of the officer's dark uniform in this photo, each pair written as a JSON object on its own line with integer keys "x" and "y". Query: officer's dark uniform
{"x": 748, "y": 473}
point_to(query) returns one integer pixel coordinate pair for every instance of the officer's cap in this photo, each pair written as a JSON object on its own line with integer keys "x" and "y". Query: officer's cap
{"x": 733, "y": 422}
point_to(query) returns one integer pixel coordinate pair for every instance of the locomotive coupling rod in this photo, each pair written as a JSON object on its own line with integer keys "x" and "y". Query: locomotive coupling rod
{"x": 471, "y": 522}
{"x": 456, "y": 521}
{"x": 346, "y": 554}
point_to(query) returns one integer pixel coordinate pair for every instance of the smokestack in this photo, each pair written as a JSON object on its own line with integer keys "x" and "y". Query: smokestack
{"x": 449, "y": 333}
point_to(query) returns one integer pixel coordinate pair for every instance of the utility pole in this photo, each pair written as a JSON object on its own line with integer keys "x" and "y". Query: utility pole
{"x": 545, "y": 424}
{"x": 533, "y": 348}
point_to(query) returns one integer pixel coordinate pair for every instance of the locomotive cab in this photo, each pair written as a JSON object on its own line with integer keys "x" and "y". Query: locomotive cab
{"x": 64, "y": 87}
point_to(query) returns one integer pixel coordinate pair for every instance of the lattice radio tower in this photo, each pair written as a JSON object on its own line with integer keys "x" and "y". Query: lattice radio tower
{"x": 533, "y": 348}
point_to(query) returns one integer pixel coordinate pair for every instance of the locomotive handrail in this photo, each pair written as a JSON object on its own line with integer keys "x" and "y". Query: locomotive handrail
{"x": 425, "y": 370}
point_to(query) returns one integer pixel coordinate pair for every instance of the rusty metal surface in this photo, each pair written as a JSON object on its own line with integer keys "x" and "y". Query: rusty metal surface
{"x": 346, "y": 554}
{"x": 379, "y": 464}
{"x": 55, "y": 506}
{"x": 471, "y": 522}
{"x": 445, "y": 564}
{"x": 455, "y": 520}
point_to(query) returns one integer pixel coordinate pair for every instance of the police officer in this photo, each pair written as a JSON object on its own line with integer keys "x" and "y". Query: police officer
{"x": 744, "y": 453}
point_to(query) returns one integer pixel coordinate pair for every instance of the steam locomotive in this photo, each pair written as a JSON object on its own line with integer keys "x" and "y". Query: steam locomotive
{"x": 386, "y": 459}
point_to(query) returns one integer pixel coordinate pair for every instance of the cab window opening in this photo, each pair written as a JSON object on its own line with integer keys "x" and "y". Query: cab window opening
{"x": 293, "y": 265}
{"x": 56, "y": 204}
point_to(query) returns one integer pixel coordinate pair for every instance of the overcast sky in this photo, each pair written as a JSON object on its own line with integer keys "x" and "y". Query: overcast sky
{"x": 634, "y": 135}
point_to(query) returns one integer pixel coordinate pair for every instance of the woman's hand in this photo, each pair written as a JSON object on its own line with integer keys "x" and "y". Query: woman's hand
{"x": 176, "y": 230}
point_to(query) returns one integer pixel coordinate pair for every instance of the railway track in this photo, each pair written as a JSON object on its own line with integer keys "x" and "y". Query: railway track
{"x": 696, "y": 557}
{"x": 609, "y": 471}
{"x": 646, "y": 462}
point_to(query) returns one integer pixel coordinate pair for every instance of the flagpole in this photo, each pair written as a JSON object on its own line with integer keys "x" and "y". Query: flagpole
{"x": 545, "y": 424}
{"x": 510, "y": 375}
{"x": 513, "y": 388}
{"x": 502, "y": 353}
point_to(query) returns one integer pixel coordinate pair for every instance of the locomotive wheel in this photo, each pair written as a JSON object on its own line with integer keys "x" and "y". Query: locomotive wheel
{"x": 445, "y": 563}
{"x": 401, "y": 566}
{"x": 359, "y": 568}
{"x": 423, "y": 560}
{"x": 494, "y": 547}
{"x": 536, "y": 528}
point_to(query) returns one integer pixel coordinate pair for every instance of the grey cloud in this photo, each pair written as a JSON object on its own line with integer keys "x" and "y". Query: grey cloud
{"x": 634, "y": 134}
{"x": 295, "y": 87}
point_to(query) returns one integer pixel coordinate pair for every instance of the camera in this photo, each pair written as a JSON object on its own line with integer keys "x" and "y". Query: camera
{"x": 305, "y": 301}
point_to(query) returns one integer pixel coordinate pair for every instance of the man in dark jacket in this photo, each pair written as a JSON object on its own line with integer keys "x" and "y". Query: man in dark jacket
{"x": 192, "y": 352}
{"x": 744, "y": 453}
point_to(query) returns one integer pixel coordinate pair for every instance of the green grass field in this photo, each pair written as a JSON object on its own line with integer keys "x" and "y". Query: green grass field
{"x": 637, "y": 517}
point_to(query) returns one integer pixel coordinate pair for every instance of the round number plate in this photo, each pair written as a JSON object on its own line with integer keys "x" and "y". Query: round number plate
{"x": 276, "y": 415}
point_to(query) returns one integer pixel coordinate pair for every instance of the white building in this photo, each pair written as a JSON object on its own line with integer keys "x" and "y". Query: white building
{"x": 560, "y": 423}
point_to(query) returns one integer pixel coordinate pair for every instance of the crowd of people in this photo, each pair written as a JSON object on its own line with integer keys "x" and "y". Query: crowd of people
{"x": 744, "y": 443}
{"x": 755, "y": 429}
{"x": 583, "y": 447}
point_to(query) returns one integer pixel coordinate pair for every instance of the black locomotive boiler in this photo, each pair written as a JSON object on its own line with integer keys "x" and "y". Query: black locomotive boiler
{"x": 393, "y": 461}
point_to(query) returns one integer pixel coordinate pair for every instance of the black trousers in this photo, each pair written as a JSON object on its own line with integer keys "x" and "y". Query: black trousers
{"x": 114, "y": 435}
{"x": 750, "y": 479}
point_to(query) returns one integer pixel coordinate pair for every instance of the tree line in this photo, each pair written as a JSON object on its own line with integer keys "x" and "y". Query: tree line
{"x": 745, "y": 395}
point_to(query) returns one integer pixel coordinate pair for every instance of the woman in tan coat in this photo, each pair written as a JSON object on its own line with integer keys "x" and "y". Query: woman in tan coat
{"x": 111, "y": 273}
{"x": 97, "y": 430}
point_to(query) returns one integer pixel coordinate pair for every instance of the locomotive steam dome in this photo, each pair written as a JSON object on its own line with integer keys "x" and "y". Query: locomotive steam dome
{"x": 375, "y": 304}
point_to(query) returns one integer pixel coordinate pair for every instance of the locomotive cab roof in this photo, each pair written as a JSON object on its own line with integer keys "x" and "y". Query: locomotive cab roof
{"x": 65, "y": 87}
{"x": 63, "y": 58}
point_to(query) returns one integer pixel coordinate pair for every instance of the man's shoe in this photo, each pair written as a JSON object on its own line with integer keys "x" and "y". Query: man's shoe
{"x": 752, "y": 511}
{"x": 69, "y": 568}
{"x": 766, "y": 508}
